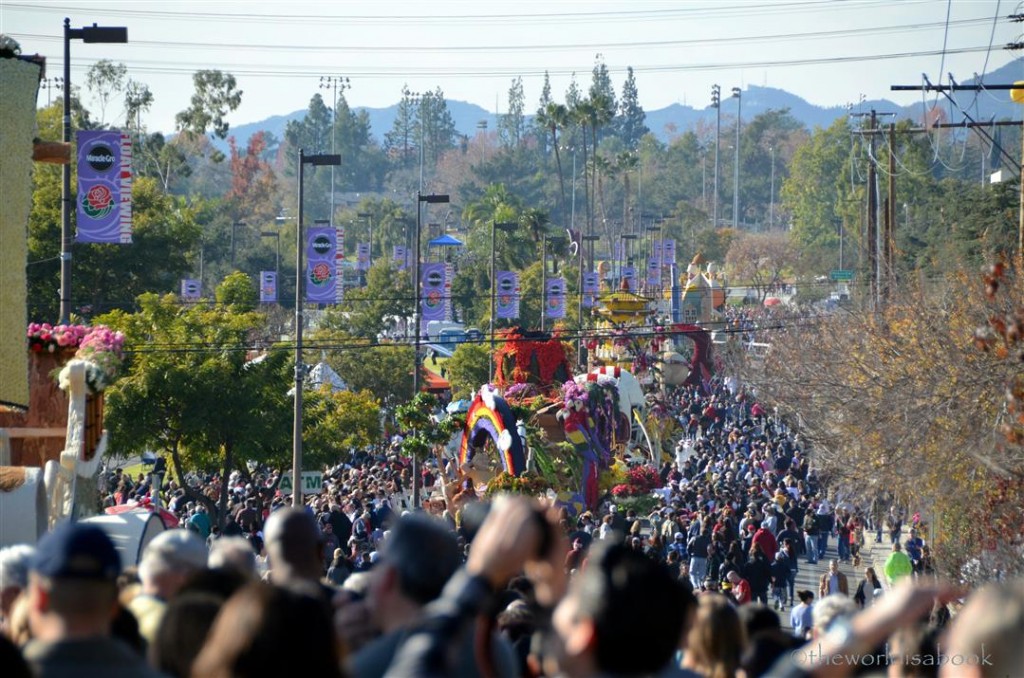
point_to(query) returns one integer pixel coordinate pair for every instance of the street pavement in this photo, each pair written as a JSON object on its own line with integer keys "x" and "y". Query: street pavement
{"x": 872, "y": 555}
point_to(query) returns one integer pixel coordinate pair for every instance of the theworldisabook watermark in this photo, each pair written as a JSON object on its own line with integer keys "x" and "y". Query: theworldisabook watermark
{"x": 816, "y": 657}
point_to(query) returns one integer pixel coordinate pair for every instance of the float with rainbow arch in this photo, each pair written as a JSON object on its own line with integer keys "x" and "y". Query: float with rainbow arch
{"x": 490, "y": 415}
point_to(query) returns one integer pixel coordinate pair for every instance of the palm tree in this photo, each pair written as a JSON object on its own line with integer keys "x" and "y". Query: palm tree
{"x": 581, "y": 114}
{"x": 626, "y": 162}
{"x": 555, "y": 117}
{"x": 536, "y": 220}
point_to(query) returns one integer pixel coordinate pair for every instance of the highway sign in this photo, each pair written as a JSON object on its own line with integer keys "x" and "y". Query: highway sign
{"x": 312, "y": 482}
{"x": 844, "y": 275}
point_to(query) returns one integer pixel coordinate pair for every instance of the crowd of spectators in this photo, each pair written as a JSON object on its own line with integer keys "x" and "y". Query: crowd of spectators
{"x": 360, "y": 582}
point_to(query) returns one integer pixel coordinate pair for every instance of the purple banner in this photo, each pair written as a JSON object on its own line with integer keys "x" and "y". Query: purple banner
{"x": 619, "y": 250}
{"x": 449, "y": 276}
{"x": 191, "y": 289}
{"x": 398, "y": 255}
{"x": 629, "y": 278}
{"x": 363, "y": 256}
{"x": 554, "y": 299}
{"x": 268, "y": 287}
{"x": 104, "y": 187}
{"x": 507, "y": 299}
{"x": 653, "y": 272}
{"x": 668, "y": 252}
{"x": 432, "y": 299}
{"x": 591, "y": 287}
{"x": 321, "y": 265}
{"x": 339, "y": 263}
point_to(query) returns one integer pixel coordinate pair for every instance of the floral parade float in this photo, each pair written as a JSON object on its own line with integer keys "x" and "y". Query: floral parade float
{"x": 72, "y": 365}
{"x": 551, "y": 431}
{"x": 52, "y": 377}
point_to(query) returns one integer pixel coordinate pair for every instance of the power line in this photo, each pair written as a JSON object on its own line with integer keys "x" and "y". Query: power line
{"x": 404, "y": 72}
{"x": 768, "y": 8}
{"x": 546, "y": 47}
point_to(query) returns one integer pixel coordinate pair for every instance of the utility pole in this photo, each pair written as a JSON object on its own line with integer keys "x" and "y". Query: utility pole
{"x": 736, "y": 169}
{"x": 716, "y": 103}
{"x": 888, "y": 242}
{"x": 872, "y": 218}
{"x": 332, "y": 82}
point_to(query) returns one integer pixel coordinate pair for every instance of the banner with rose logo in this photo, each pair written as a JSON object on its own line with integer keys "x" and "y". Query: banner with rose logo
{"x": 554, "y": 299}
{"x": 191, "y": 289}
{"x": 268, "y": 287}
{"x": 507, "y": 299}
{"x": 653, "y": 272}
{"x": 321, "y": 267}
{"x": 363, "y": 256}
{"x": 104, "y": 187}
{"x": 433, "y": 300}
{"x": 398, "y": 255}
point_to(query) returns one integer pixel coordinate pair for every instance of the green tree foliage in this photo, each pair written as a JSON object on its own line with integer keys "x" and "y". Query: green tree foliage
{"x": 384, "y": 370}
{"x": 191, "y": 392}
{"x": 816, "y": 194}
{"x": 512, "y": 125}
{"x": 630, "y": 121}
{"x": 237, "y": 291}
{"x": 369, "y": 310}
{"x": 468, "y": 368}
{"x": 215, "y": 96}
{"x": 400, "y": 141}
{"x": 311, "y": 134}
{"x": 339, "y": 422}
{"x": 106, "y": 79}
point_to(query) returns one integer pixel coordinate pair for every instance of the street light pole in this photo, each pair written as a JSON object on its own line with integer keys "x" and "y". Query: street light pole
{"x": 505, "y": 226}
{"x": 87, "y": 34}
{"x": 369, "y": 226}
{"x": 234, "y": 227}
{"x": 277, "y": 253}
{"x": 420, "y": 199}
{"x": 736, "y": 170}
{"x": 716, "y": 103}
{"x": 300, "y": 275}
{"x": 332, "y": 82}
{"x": 771, "y": 204}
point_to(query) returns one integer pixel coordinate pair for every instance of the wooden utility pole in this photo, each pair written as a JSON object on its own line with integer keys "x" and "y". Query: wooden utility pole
{"x": 871, "y": 239}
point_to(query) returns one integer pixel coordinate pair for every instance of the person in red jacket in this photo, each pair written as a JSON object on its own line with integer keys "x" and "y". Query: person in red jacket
{"x": 766, "y": 540}
{"x": 740, "y": 588}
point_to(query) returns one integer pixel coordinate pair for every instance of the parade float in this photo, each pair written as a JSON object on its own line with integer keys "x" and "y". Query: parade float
{"x": 52, "y": 377}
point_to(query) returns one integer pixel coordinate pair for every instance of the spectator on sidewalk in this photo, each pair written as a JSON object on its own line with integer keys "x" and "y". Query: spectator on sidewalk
{"x": 800, "y": 617}
{"x": 72, "y": 597}
{"x": 897, "y": 565}
{"x": 833, "y": 581}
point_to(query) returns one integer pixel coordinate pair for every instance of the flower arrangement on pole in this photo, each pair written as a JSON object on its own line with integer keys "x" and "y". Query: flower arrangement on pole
{"x": 100, "y": 349}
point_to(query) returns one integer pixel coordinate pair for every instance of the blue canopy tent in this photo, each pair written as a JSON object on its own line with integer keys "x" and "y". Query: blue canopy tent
{"x": 445, "y": 241}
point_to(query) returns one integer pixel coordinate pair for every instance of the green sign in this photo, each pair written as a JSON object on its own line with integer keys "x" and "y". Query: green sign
{"x": 312, "y": 482}
{"x": 841, "y": 275}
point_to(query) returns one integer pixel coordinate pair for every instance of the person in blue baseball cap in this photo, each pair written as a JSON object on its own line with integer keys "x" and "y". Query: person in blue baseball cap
{"x": 72, "y": 601}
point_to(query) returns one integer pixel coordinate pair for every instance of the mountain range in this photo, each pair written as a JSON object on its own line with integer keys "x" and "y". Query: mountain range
{"x": 672, "y": 120}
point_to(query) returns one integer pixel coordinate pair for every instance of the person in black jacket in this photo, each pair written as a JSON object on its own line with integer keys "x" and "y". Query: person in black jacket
{"x": 758, "y": 573}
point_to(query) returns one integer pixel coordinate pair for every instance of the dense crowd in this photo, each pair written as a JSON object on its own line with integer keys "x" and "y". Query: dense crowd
{"x": 361, "y": 582}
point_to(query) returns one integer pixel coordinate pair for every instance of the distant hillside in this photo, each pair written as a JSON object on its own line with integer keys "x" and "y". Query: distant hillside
{"x": 676, "y": 118}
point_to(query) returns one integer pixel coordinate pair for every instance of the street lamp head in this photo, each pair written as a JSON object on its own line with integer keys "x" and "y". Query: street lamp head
{"x": 321, "y": 159}
{"x": 102, "y": 34}
{"x": 736, "y": 92}
{"x": 433, "y": 198}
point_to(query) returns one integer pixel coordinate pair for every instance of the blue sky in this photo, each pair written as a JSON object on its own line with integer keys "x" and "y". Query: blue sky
{"x": 829, "y": 52}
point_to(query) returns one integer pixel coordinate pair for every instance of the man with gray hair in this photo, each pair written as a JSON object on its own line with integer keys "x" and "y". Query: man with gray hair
{"x": 828, "y": 610}
{"x": 168, "y": 562}
{"x": 233, "y": 553}
{"x": 14, "y": 564}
